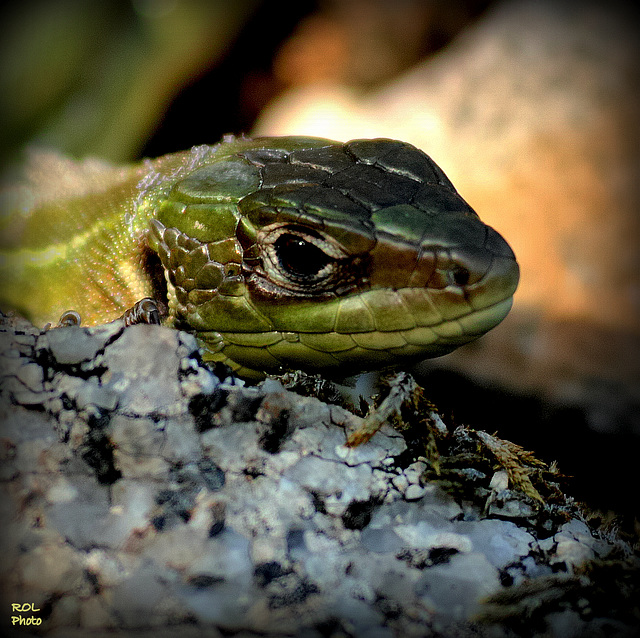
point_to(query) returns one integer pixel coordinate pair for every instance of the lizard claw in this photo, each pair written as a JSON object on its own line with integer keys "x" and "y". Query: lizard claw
{"x": 67, "y": 318}
{"x": 143, "y": 311}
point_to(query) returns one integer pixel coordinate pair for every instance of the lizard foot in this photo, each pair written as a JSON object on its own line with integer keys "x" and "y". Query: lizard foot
{"x": 143, "y": 311}
{"x": 67, "y": 318}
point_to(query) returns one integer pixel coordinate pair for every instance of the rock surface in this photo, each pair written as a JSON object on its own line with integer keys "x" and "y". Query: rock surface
{"x": 143, "y": 495}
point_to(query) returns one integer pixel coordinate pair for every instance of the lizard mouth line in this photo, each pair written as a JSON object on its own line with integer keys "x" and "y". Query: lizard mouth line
{"x": 278, "y": 351}
{"x": 495, "y": 312}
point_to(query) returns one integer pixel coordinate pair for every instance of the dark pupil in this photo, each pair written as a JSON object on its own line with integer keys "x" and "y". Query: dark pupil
{"x": 298, "y": 257}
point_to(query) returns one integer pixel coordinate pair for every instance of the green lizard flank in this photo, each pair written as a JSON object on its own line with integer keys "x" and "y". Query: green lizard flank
{"x": 277, "y": 253}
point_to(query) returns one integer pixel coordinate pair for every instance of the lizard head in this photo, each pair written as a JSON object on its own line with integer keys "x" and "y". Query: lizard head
{"x": 301, "y": 253}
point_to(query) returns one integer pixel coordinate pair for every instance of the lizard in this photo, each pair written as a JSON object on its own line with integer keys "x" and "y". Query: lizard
{"x": 277, "y": 253}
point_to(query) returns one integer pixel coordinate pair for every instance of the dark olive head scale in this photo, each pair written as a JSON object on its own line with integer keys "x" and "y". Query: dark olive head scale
{"x": 400, "y": 158}
{"x": 170, "y": 237}
{"x": 210, "y": 276}
{"x": 374, "y": 187}
{"x": 264, "y": 156}
{"x": 356, "y": 238}
{"x": 220, "y": 182}
{"x": 314, "y": 198}
{"x": 285, "y": 173}
{"x": 437, "y": 200}
{"x": 198, "y": 257}
{"x": 225, "y": 250}
{"x": 332, "y": 159}
{"x": 200, "y": 295}
{"x": 177, "y": 256}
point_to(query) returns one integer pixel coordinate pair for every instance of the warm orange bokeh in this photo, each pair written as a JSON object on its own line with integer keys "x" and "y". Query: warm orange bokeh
{"x": 533, "y": 115}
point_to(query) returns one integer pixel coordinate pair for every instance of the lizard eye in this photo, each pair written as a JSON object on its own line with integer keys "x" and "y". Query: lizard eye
{"x": 300, "y": 259}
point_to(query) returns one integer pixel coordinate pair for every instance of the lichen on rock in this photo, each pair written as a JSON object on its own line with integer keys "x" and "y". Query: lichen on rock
{"x": 143, "y": 492}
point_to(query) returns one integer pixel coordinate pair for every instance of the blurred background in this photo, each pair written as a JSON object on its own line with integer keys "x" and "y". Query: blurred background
{"x": 530, "y": 107}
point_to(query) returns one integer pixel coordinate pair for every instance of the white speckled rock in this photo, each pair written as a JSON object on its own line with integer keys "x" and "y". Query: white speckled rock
{"x": 141, "y": 496}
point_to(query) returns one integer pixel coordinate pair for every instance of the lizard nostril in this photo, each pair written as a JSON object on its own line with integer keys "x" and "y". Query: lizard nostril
{"x": 460, "y": 276}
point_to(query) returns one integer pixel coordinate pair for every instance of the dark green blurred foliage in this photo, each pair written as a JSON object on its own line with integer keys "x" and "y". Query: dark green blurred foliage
{"x": 94, "y": 78}
{"x": 121, "y": 79}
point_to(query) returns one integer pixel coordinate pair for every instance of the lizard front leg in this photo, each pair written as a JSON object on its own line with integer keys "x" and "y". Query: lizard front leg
{"x": 144, "y": 311}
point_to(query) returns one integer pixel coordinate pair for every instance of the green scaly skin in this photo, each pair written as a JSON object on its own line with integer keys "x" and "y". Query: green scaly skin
{"x": 277, "y": 253}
